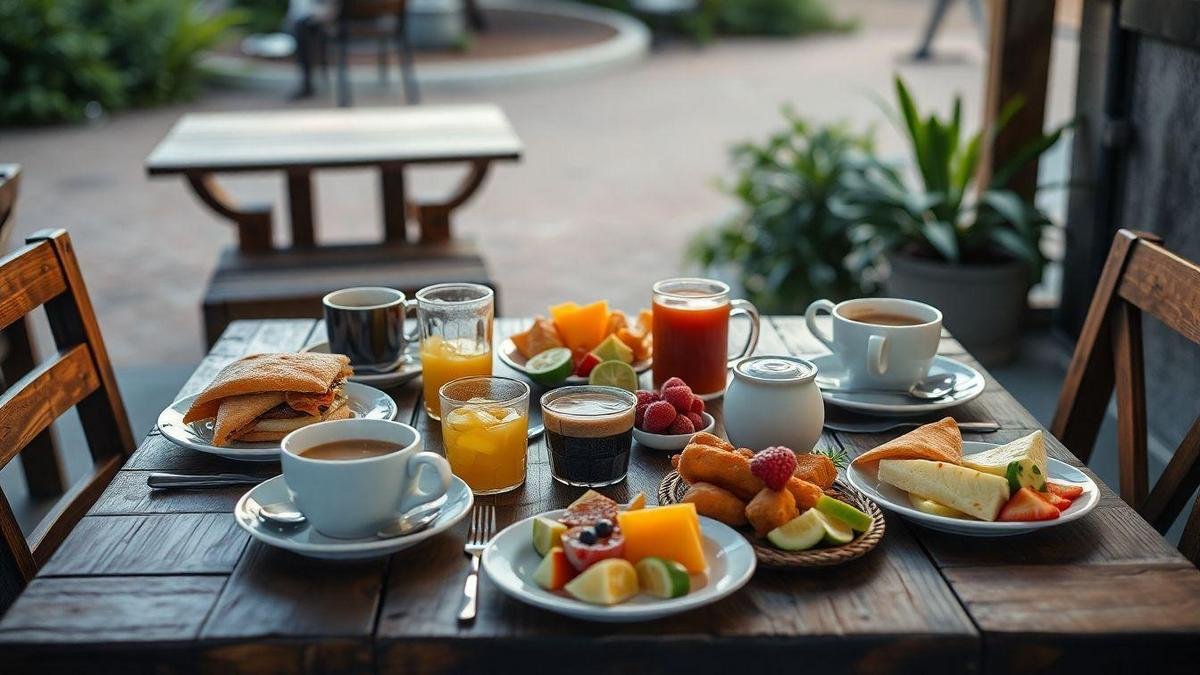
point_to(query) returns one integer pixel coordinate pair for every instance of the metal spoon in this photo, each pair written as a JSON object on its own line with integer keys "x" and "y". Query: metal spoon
{"x": 928, "y": 388}
{"x": 281, "y": 514}
{"x": 534, "y": 432}
{"x": 409, "y": 524}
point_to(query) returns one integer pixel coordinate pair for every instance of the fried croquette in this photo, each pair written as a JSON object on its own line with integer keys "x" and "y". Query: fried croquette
{"x": 712, "y": 441}
{"x": 769, "y": 509}
{"x": 717, "y": 503}
{"x": 805, "y": 493}
{"x": 728, "y": 470}
{"x": 744, "y": 452}
{"x": 815, "y": 468}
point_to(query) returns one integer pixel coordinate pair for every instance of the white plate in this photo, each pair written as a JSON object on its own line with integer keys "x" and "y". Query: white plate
{"x": 306, "y": 541}
{"x": 894, "y": 499}
{"x": 969, "y": 384}
{"x": 510, "y": 562}
{"x": 364, "y": 401}
{"x": 408, "y": 370}
{"x": 670, "y": 441}
{"x": 511, "y": 357}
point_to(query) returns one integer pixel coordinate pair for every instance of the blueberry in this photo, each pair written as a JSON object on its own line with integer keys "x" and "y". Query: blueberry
{"x": 588, "y": 536}
{"x": 603, "y": 527}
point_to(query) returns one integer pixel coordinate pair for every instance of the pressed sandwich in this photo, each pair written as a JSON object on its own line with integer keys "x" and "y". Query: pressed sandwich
{"x": 265, "y": 397}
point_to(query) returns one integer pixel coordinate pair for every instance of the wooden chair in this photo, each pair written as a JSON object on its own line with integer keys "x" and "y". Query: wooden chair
{"x": 370, "y": 12}
{"x": 1139, "y": 276}
{"x": 45, "y": 273}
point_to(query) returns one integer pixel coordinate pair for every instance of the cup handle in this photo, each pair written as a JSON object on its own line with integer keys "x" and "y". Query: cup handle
{"x": 810, "y": 320}
{"x": 877, "y": 354}
{"x": 416, "y": 465}
{"x": 415, "y": 335}
{"x": 745, "y": 307}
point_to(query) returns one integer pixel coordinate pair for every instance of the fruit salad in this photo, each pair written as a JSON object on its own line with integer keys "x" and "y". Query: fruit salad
{"x": 577, "y": 338}
{"x": 672, "y": 410}
{"x": 604, "y": 554}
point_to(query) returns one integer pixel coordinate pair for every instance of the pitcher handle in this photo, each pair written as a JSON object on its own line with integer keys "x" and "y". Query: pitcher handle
{"x": 746, "y": 308}
{"x": 810, "y": 320}
{"x": 409, "y": 338}
{"x": 416, "y": 466}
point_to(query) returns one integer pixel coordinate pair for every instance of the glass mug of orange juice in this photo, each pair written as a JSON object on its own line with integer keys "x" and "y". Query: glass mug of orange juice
{"x": 484, "y": 425}
{"x": 691, "y": 333}
{"x": 456, "y": 336}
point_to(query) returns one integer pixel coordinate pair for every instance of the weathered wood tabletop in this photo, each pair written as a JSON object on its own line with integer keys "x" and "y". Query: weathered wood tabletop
{"x": 167, "y": 582}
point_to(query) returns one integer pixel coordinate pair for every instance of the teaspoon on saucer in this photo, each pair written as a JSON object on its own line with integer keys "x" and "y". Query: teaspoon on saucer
{"x": 928, "y": 388}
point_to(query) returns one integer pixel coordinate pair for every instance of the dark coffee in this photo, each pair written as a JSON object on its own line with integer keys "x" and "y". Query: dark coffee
{"x": 881, "y": 318}
{"x": 589, "y": 434}
{"x": 357, "y": 448}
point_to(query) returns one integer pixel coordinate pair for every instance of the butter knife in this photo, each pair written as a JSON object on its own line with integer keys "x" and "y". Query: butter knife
{"x": 166, "y": 481}
{"x": 891, "y": 425}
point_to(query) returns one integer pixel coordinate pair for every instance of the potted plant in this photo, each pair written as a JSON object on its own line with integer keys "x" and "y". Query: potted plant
{"x": 970, "y": 250}
{"x": 790, "y": 242}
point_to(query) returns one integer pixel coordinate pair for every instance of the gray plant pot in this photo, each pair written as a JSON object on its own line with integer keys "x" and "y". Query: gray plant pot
{"x": 982, "y": 305}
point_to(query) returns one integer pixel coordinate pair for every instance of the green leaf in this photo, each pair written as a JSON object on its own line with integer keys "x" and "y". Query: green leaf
{"x": 941, "y": 236}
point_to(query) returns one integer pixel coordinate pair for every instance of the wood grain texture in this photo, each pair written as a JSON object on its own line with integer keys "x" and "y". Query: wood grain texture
{"x": 52, "y": 388}
{"x": 31, "y": 277}
{"x": 177, "y": 543}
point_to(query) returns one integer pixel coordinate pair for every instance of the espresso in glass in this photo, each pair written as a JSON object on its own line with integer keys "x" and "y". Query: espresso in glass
{"x": 881, "y": 318}
{"x": 589, "y": 431}
{"x": 358, "y": 448}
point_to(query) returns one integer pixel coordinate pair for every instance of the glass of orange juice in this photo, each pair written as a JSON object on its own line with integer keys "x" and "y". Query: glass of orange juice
{"x": 456, "y": 336}
{"x": 484, "y": 423}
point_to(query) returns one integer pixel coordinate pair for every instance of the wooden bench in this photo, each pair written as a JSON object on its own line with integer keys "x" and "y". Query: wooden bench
{"x": 258, "y": 280}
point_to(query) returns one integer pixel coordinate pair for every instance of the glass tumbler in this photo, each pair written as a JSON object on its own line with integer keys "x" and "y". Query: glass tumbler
{"x": 456, "y": 336}
{"x": 484, "y": 425}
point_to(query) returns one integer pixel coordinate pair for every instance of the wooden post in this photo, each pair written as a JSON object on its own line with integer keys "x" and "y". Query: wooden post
{"x": 1022, "y": 32}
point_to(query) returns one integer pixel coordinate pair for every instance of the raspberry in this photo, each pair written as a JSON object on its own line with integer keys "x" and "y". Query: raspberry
{"x": 674, "y": 382}
{"x": 774, "y": 466}
{"x": 697, "y": 421}
{"x": 659, "y": 416}
{"x": 646, "y": 397}
{"x": 639, "y": 414}
{"x": 680, "y": 397}
{"x": 697, "y": 405}
{"x": 681, "y": 425}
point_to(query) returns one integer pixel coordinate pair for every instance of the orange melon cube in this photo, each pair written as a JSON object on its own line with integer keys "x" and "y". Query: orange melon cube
{"x": 562, "y": 309}
{"x": 671, "y": 532}
{"x": 582, "y": 328}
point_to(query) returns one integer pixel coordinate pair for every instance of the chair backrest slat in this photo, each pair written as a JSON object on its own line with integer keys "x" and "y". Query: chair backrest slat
{"x": 29, "y": 278}
{"x": 31, "y": 404}
{"x": 1139, "y": 277}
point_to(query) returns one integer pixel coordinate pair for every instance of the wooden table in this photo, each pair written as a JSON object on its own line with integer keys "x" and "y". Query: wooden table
{"x": 167, "y": 582}
{"x": 297, "y": 142}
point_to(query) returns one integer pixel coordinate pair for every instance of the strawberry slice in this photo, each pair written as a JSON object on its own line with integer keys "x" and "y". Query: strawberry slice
{"x": 1060, "y": 503}
{"x": 1071, "y": 492}
{"x": 583, "y": 367}
{"x": 1026, "y": 506}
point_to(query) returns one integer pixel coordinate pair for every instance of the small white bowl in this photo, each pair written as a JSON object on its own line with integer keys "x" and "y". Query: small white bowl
{"x": 670, "y": 441}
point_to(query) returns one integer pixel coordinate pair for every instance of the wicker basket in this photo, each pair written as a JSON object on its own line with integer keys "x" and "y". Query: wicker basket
{"x": 673, "y": 487}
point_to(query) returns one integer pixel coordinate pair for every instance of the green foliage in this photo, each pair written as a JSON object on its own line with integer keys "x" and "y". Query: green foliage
{"x": 790, "y": 241}
{"x": 58, "y": 56}
{"x": 944, "y": 214}
{"x": 749, "y": 17}
{"x": 262, "y": 16}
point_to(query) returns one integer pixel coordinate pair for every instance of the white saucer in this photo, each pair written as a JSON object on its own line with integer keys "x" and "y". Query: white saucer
{"x": 364, "y": 401}
{"x": 510, "y": 562}
{"x": 670, "y": 441}
{"x": 894, "y": 499}
{"x": 305, "y": 540}
{"x": 511, "y": 357}
{"x": 969, "y": 385}
{"x": 409, "y": 369}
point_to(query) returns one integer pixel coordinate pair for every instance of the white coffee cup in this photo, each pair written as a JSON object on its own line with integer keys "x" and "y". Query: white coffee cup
{"x": 354, "y": 498}
{"x": 877, "y": 355}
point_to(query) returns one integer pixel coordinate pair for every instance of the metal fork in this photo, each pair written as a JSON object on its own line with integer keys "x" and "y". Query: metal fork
{"x": 483, "y": 525}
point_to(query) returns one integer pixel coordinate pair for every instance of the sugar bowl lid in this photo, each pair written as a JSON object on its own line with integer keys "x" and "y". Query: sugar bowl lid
{"x": 775, "y": 369}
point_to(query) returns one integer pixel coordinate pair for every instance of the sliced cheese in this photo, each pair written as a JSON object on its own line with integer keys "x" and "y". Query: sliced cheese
{"x": 1022, "y": 462}
{"x": 973, "y": 492}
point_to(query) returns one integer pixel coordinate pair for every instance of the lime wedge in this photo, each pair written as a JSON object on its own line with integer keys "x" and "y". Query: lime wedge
{"x": 614, "y": 374}
{"x": 849, "y": 515}
{"x": 550, "y": 367}
{"x": 663, "y": 578}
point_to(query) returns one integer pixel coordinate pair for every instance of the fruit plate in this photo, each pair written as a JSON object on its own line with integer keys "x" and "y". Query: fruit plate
{"x": 510, "y": 562}
{"x": 673, "y": 487}
{"x": 512, "y": 358}
{"x": 895, "y": 499}
{"x": 671, "y": 441}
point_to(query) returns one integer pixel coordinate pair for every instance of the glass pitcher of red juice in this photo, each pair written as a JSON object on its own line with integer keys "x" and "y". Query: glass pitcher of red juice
{"x": 691, "y": 333}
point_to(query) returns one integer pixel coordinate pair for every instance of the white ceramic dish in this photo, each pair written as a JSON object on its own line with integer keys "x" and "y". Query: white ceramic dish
{"x": 969, "y": 385}
{"x": 895, "y": 499}
{"x": 306, "y": 541}
{"x": 411, "y": 368}
{"x": 670, "y": 441}
{"x": 511, "y": 357}
{"x": 510, "y": 562}
{"x": 364, "y": 401}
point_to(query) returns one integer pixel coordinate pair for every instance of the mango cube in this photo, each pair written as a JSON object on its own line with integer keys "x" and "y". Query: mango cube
{"x": 671, "y": 532}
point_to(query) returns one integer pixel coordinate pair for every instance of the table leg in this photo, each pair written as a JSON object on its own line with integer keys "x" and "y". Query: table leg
{"x": 253, "y": 221}
{"x": 394, "y": 212}
{"x": 300, "y": 208}
{"x": 435, "y": 218}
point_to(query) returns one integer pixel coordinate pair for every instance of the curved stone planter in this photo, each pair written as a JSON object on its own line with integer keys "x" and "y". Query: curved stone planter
{"x": 630, "y": 43}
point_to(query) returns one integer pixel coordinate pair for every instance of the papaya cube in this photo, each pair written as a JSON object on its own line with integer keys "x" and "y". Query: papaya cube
{"x": 562, "y": 309}
{"x": 582, "y": 328}
{"x": 671, "y": 532}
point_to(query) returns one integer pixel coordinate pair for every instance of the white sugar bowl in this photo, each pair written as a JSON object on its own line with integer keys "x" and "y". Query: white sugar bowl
{"x": 774, "y": 400}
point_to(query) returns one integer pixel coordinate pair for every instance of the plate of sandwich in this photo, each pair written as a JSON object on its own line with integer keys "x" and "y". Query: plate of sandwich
{"x": 257, "y": 400}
